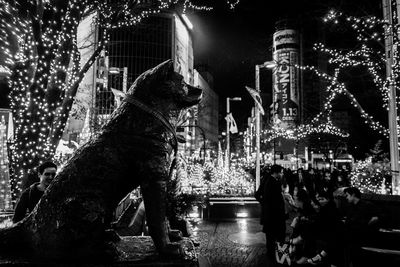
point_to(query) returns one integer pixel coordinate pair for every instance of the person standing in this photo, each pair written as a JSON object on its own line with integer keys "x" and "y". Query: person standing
{"x": 31, "y": 196}
{"x": 273, "y": 217}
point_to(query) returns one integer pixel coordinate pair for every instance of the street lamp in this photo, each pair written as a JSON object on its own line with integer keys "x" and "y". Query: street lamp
{"x": 228, "y": 153}
{"x": 268, "y": 65}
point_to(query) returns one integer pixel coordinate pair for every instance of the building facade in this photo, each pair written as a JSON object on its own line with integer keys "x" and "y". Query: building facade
{"x": 207, "y": 120}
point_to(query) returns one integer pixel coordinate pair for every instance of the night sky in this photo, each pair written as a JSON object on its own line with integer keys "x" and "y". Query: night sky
{"x": 231, "y": 43}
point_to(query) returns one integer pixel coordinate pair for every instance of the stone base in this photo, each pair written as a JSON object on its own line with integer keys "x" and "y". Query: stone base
{"x": 140, "y": 251}
{"x": 135, "y": 251}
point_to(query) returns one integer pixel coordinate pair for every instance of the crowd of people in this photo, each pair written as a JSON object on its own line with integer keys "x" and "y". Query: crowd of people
{"x": 314, "y": 217}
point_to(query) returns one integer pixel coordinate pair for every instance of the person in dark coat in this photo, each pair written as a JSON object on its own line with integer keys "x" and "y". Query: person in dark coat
{"x": 31, "y": 196}
{"x": 361, "y": 223}
{"x": 273, "y": 216}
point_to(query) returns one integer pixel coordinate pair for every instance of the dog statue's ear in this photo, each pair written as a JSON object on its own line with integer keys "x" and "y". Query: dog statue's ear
{"x": 166, "y": 68}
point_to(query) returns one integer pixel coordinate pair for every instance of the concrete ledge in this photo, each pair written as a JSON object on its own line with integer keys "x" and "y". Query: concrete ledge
{"x": 382, "y": 251}
{"x": 231, "y": 208}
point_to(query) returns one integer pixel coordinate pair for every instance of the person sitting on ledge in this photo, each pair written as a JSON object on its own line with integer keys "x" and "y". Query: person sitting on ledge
{"x": 31, "y": 196}
{"x": 361, "y": 223}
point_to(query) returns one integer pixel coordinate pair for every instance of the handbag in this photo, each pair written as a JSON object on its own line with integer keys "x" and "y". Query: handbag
{"x": 283, "y": 253}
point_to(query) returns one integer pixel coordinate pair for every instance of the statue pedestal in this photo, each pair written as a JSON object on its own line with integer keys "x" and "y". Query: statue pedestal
{"x": 140, "y": 251}
{"x": 136, "y": 251}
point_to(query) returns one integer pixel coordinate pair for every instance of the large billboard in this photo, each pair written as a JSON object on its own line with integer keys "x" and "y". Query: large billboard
{"x": 286, "y": 78}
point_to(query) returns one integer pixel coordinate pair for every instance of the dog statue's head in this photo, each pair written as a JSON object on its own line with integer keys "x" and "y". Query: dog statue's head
{"x": 164, "y": 89}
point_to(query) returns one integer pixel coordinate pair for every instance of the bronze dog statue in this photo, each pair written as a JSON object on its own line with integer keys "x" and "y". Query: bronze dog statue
{"x": 135, "y": 147}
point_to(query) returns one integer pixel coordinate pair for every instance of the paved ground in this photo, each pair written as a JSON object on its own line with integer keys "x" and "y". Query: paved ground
{"x": 232, "y": 243}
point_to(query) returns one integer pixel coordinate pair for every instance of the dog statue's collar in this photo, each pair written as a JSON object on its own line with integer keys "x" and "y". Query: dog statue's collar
{"x": 155, "y": 113}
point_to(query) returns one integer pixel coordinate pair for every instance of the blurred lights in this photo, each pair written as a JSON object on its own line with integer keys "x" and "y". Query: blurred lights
{"x": 242, "y": 214}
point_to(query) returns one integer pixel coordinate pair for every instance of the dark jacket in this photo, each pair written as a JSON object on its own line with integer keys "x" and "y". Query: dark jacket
{"x": 358, "y": 218}
{"x": 27, "y": 202}
{"x": 272, "y": 208}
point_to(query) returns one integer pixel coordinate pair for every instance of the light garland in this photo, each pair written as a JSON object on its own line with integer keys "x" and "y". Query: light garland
{"x": 302, "y": 131}
{"x": 369, "y": 32}
{"x": 371, "y": 177}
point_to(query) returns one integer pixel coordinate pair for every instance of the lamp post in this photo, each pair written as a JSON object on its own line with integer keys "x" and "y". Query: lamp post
{"x": 268, "y": 65}
{"x": 228, "y": 152}
{"x": 393, "y": 132}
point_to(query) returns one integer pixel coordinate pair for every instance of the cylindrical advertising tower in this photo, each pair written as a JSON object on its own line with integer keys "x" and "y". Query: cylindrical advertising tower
{"x": 286, "y": 77}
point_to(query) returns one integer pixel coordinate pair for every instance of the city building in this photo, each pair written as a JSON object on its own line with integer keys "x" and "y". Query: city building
{"x": 207, "y": 120}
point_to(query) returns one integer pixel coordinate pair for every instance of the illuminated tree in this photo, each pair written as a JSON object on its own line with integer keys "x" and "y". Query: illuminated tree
{"x": 38, "y": 40}
{"x": 374, "y": 174}
{"x": 366, "y": 56}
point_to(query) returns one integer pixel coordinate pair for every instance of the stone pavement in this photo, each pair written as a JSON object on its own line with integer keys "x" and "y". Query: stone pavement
{"x": 236, "y": 242}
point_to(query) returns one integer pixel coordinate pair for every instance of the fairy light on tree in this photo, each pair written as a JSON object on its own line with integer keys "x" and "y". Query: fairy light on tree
{"x": 38, "y": 40}
{"x": 369, "y": 55}
{"x": 373, "y": 174}
{"x": 302, "y": 131}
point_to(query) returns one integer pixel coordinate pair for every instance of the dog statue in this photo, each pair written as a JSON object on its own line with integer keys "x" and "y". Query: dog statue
{"x": 135, "y": 148}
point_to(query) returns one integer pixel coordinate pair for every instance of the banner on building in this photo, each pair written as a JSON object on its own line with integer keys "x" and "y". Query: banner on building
{"x": 286, "y": 77}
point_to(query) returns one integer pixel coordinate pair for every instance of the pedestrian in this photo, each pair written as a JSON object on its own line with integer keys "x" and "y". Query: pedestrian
{"x": 273, "y": 216}
{"x": 290, "y": 179}
{"x": 309, "y": 186}
{"x": 361, "y": 223}
{"x": 31, "y": 196}
{"x": 300, "y": 224}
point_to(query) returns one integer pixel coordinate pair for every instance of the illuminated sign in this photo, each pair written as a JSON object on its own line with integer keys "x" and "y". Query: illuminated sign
{"x": 286, "y": 37}
{"x": 286, "y": 78}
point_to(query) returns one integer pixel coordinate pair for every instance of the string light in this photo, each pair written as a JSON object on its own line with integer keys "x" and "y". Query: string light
{"x": 369, "y": 32}
{"x": 372, "y": 177}
{"x": 301, "y": 132}
{"x": 210, "y": 180}
{"x": 369, "y": 176}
